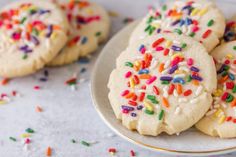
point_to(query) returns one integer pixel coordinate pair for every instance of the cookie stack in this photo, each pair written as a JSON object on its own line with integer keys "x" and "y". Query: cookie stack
{"x": 168, "y": 79}
{"x": 34, "y": 34}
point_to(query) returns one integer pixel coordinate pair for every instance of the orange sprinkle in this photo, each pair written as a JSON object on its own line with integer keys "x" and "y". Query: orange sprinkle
{"x": 233, "y": 103}
{"x": 130, "y": 95}
{"x": 49, "y": 151}
{"x": 55, "y": 27}
{"x": 165, "y": 102}
{"x": 29, "y": 28}
{"x": 223, "y": 79}
{"x": 161, "y": 67}
{"x": 136, "y": 68}
{"x": 195, "y": 82}
{"x": 39, "y": 109}
{"x": 145, "y": 76}
{"x": 179, "y": 89}
{"x": 5, "y": 81}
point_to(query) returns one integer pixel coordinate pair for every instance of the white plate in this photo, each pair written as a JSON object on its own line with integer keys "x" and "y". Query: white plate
{"x": 190, "y": 142}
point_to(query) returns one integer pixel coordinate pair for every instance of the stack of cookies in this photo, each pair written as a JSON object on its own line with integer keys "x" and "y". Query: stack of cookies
{"x": 173, "y": 76}
{"x": 34, "y": 34}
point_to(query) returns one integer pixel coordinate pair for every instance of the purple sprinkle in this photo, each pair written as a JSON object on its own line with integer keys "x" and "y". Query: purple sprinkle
{"x": 133, "y": 114}
{"x": 158, "y": 30}
{"x": 221, "y": 69}
{"x": 50, "y": 29}
{"x": 46, "y": 73}
{"x": 128, "y": 108}
{"x": 186, "y": 7}
{"x": 176, "y": 48}
{"x": 35, "y": 40}
{"x": 173, "y": 69}
{"x": 44, "y": 12}
{"x": 166, "y": 78}
{"x": 43, "y": 79}
{"x": 175, "y": 22}
{"x": 195, "y": 69}
{"x": 23, "y": 48}
{"x": 140, "y": 107}
{"x": 195, "y": 77}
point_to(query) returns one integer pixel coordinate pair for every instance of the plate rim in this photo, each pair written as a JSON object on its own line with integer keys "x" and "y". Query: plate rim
{"x": 138, "y": 143}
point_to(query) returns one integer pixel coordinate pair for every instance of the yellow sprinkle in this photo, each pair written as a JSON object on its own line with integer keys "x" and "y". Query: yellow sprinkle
{"x": 156, "y": 25}
{"x": 203, "y": 11}
{"x": 148, "y": 105}
{"x": 229, "y": 56}
{"x": 194, "y": 12}
{"x": 42, "y": 34}
{"x": 54, "y": 35}
{"x": 177, "y": 55}
{"x": 89, "y": 11}
{"x": 132, "y": 84}
{"x": 218, "y": 113}
{"x": 179, "y": 72}
{"x": 168, "y": 43}
{"x": 113, "y": 14}
{"x": 2, "y": 102}
{"x": 25, "y": 135}
{"x": 137, "y": 63}
{"x": 222, "y": 119}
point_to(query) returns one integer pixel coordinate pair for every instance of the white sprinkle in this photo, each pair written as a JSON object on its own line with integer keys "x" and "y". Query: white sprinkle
{"x": 182, "y": 100}
{"x": 194, "y": 101}
{"x": 165, "y": 92}
{"x": 199, "y": 91}
{"x": 171, "y": 52}
{"x": 234, "y": 111}
{"x": 167, "y": 64}
{"x": 184, "y": 29}
{"x": 153, "y": 64}
{"x": 183, "y": 63}
{"x": 26, "y": 147}
{"x": 179, "y": 75}
{"x": 165, "y": 71}
{"x": 175, "y": 93}
{"x": 73, "y": 87}
{"x": 224, "y": 105}
{"x": 184, "y": 68}
{"x": 216, "y": 106}
{"x": 210, "y": 112}
{"x": 177, "y": 110}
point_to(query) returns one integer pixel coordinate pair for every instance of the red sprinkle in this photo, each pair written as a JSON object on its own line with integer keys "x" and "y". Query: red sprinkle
{"x": 229, "y": 85}
{"x": 132, "y": 103}
{"x": 141, "y": 97}
{"x": 166, "y": 52}
{"x": 124, "y": 93}
{"x": 227, "y": 61}
{"x": 5, "y": 81}
{"x": 157, "y": 42}
{"x": 37, "y": 87}
{"x": 136, "y": 79}
{"x": 171, "y": 89}
{"x": 206, "y": 34}
{"x": 112, "y": 150}
{"x": 229, "y": 118}
{"x": 188, "y": 92}
{"x": 224, "y": 96}
{"x": 159, "y": 48}
{"x": 155, "y": 90}
{"x": 132, "y": 153}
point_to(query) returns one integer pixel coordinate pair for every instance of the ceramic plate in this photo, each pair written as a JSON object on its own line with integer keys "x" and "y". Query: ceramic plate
{"x": 190, "y": 142}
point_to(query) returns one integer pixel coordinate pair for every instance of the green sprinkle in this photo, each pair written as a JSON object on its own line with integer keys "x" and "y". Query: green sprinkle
{"x": 226, "y": 67}
{"x": 164, "y": 7}
{"x": 151, "y": 30}
{"x": 29, "y": 130}
{"x": 189, "y": 78}
{"x": 161, "y": 115}
{"x": 165, "y": 82}
{"x": 25, "y": 56}
{"x": 184, "y": 45}
{"x": 234, "y": 89}
{"x": 155, "y": 101}
{"x": 229, "y": 98}
{"x": 178, "y": 31}
{"x": 150, "y": 19}
{"x": 210, "y": 23}
{"x": 85, "y": 143}
{"x": 23, "y": 20}
{"x": 73, "y": 141}
{"x": 35, "y": 31}
{"x": 12, "y": 138}
{"x": 224, "y": 73}
{"x": 151, "y": 97}
{"x": 192, "y": 34}
{"x": 129, "y": 64}
{"x": 149, "y": 112}
{"x": 234, "y": 47}
{"x": 98, "y": 34}
{"x": 148, "y": 28}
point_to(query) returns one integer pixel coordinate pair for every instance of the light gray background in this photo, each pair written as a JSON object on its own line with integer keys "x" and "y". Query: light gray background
{"x": 67, "y": 114}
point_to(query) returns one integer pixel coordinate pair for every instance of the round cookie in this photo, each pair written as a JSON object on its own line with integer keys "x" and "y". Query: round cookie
{"x": 220, "y": 120}
{"x": 162, "y": 84}
{"x": 230, "y": 30}
{"x": 31, "y": 35}
{"x": 201, "y": 20}
{"x": 89, "y": 26}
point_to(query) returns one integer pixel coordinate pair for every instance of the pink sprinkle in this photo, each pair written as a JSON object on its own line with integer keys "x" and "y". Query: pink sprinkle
{"x": 190, "y": 61}
{"x": 159, "y": 48}
{"x": 14, "y": 93}
{"x": 143, "y": 50}
{"x": 132, "y": 153}
{"x": 3, "y": 95}
{"x": 151, "y": 80}
{"x": 125, "y": 111}
{"x": 128, "y": 74}
{"x": 36, "y": 87}
{"x": 175, "y": 61}
{"x": 124, "y": 93}
{"x": 195, "y": 29}
{"x": 27, "y": 141}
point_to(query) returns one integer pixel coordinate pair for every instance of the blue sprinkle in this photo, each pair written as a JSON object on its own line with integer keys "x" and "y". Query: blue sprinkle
{"x": 143, "y": 71}
{"x": 195, "y": 69}
{"x": 182, "y": 22}
{"x": 133, "y": 114}
{"x": 176, "y": 48}
{"x": 83, "y": 70}
{"x": 141, "y": 47}
{"x": 84, "y": 40}
{"x": 127, "y": 108}
{"x": 173, "y": 69}
{"x": 231, "y": 76}
{"x": 166, "y": 78}
{"x": 189, "y": 21}
{"x": 178, "y": 80}
{"x": 84, "y": 60}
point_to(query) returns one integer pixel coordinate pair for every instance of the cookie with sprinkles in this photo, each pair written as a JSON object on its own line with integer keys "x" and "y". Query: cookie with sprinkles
{"x": 199, "y": 19}
{"x": 89, "y": 26}
{"x": 220, "y": 120}
{"x": 162, "y": 84}
{"x": 230, "y": 30}
{"x": 31, "y": 35}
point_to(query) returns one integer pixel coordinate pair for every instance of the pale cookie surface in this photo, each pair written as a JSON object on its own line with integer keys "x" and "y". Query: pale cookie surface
{"x": 199, "y": 19}
{"x": 162, "y": 84}
{"x": 31, "y": 34}
{"x": 220, "y": 120}
{"x": 89, "y": 26}
{"x": 230, "y": 30}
